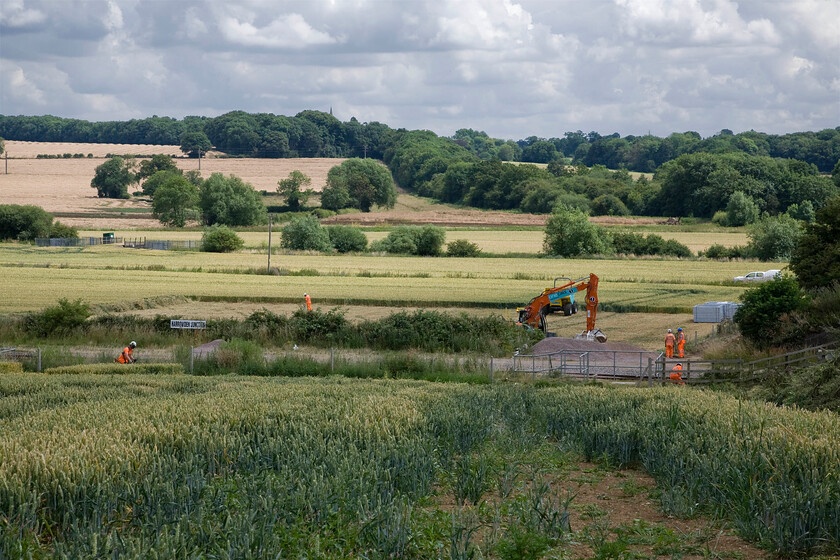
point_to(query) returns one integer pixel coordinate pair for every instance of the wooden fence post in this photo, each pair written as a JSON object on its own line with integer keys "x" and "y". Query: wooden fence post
{"x": 491, "y": 370}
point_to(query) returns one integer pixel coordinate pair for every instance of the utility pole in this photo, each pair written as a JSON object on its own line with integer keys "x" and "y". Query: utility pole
{"x": 365, "y": 151}
{"x": 269, "y": 245}
{"x": 199, "y": 159}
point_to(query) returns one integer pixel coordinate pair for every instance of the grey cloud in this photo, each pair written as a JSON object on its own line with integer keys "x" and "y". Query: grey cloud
{"x": 514, "y": 69}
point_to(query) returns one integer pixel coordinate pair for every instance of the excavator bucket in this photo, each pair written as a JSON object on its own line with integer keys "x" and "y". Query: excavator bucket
{"x": 597, "y": 335}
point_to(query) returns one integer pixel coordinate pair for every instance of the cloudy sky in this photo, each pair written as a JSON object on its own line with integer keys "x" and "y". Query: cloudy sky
{"x": 513, "y": 68}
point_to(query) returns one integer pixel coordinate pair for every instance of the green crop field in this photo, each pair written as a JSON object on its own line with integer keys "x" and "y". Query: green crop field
{"x": 140, "y": 466}
{"x": 497, "y": 241}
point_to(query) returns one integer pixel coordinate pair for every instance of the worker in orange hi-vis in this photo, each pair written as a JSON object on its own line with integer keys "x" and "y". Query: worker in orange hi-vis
{"x": 127, "y": 355}
{"x": 669, "y": 344}
{"x": 308, "y": 301}
{"x": 680, "y": 343}
{"x": 676, "y": 374}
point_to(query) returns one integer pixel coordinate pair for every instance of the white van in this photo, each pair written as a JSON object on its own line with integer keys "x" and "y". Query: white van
{"x": 760, "y": 276}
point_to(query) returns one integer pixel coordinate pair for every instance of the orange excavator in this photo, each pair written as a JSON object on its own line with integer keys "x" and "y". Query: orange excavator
{"x": 562, "y": 299}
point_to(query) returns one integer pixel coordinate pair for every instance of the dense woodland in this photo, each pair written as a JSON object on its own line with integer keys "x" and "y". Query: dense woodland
{"x": 694, "y": 176}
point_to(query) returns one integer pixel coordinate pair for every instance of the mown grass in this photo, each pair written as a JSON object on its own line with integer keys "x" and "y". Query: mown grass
{"x": 140, "y": 466}
{"x": 39, "y": 287}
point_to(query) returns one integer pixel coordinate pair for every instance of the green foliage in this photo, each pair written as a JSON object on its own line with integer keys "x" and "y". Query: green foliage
{"x": 803, "y": 212}
{"x": 764, "y": 304}
{"x": 365, "y": 182}
{"x": 11, "y": 367}
{"x": 718, "y": 251}
{"x": 773, "y": 238}
{"x": 816, "y": 258}
{"x": 151, "y": 185}
{"x": 230, "y": 201}
{"x": 569, "y": 233}
{"x": 412, "y": 240}
{"x": 112, "y": 178}
{"x": 194, "y": 143}
{"x": 462, "y": 248}
{"x": 291, "y": 189}
{"x": 347, "y": 239}
{"x": 220, "y": 239}
{"x": 175, "y": 201}
{"x": 608, "y": 205}
{"x": 813, "y": 388}
{"x": 24, "y": 222}
{"x": 741, "y": 210}
{"x": 306, "y": 234}
{"x": 652, "y": 244}
{"x": 59, "y": 230}
{"x": 61, "y": 319}
{"x": 157, "y": 163}
{"x": 700, "y": 184}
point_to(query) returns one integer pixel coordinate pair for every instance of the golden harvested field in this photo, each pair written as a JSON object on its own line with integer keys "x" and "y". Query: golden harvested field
{"x": 63, "y": 185}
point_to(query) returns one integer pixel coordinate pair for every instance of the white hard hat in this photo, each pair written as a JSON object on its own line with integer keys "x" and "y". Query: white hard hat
{"x": 132, "y": 343}
{"x": 669, "y": 330}
{"x": 304, "y": 293}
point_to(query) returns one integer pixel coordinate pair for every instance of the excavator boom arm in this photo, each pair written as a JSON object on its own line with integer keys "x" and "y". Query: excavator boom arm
{"x": 534, "y": 313}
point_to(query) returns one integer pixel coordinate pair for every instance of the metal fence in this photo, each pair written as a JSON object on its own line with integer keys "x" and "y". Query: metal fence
{"x": 597, "y": 364}
{"x": 162, "y": 244}
{"x": 75, "y": 241}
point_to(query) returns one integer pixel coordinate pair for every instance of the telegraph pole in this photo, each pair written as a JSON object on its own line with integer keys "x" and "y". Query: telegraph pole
{"x": 269, "y": 244}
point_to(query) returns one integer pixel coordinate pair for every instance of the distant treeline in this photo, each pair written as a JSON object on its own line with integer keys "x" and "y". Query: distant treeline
{"x": 693, "y": 176}
{"x": 319, "y": 134}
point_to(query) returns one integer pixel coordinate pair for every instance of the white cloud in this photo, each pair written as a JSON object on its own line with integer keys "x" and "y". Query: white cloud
{"x": 13, "y": 14}
{"x": 20, "y": 88}
{"x": 287, "y": 31}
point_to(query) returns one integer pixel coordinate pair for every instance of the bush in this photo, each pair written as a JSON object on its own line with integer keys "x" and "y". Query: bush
{"x": 24, "y": 222}
{"x": 764, "y": 305}
{"x": 741, "y": 210}
{"x": 308, "y": 325}
{"x": 230, "y": 201}
{"x": 569, "y": 233}
{"x": 773, "y": 238}
{"x": 61, "y": 319}
{"x": 220, "y": 239}
{"x": 413, "y": 240}
{"x": 803, "y": 212}
{"x": 347, "y": 239}
{"x": 59, "y": 230}
{"x": 462, "y": 248}
{"x": 359, "y": 183}
{"x": 608, "y": 205}
{"x": 721, "y": 218}
{"x": 816, "y": 259}
{"x": 306, "y": 234}
{"x": 321, "y": 213}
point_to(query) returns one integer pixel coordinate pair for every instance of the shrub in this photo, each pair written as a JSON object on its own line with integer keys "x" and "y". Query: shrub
{"x": 220, "y": 239}
{"x": 763, "y": 305}
{"x": 347, "y": 239}
{"x": 720, "y": 218}
{"x": 608, "y": 205}
{"x": 230, "y": 201}
{"x": 306, "y": 234}
{"x": 308, "y": 325}
{"x": 569, "y": 233}
{"x": 741, "y": 210}
{"x": 59, "y": 230}
{"x": 816, "y": 259}
{"x": 321, "y": 213}
{"x": 773, "y": 238}
{"x": 462, "y": 248}
{"x": 803, "y": 212}
{"x": 413, "y": 240}
{"x": 430, "y": 240}
{"x": 24, "y": 222}
{"x": 111, "y": 179}
{"x": 61, "y": 319}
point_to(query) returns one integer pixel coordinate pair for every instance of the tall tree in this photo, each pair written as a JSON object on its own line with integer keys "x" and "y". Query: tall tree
{"x": 816, "y": 258}
{"x": 175, "y": 201}
{"x": 364, "y": 181}
{"x": 194, "y": 143}
{"x": 230, "y": 201}
{"x": 112, "y": 178}
{"x": 290, "y": 189}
